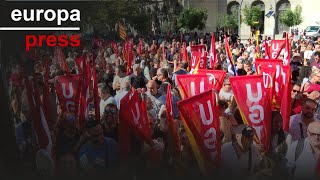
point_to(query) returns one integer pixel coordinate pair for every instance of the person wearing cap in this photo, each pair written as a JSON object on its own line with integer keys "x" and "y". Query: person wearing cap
{"x": 302, "y": 155}
{"x": 299, "y": 122}
{"x": 314, "y": 78}
{"x": 241, "y": 156}
{"x": 295, "y": 64}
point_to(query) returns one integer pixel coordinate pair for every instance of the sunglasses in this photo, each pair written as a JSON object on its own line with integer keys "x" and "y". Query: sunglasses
{"x": 295, "y": 91}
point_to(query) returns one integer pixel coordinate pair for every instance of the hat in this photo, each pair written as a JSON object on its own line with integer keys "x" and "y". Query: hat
{"x": 313, "y": 87}
{"x": 296, "y": 55}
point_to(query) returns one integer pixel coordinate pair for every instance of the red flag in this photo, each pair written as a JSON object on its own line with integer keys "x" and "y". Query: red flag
{"x": 286, "y": 97}
{"x": 140, "y": 46}
{"x": 217, "y": 75}
{"x": 95, "y": 89}
{"x": 79, "y": 62}
{"x": 213, "y": 52}
{"x": 192, "y": 85}
{"x": 115, "y": 48}
{"x": 203, "y": 60}
{"x": 229, "y": 54}
{"x": 277, "y": 65}
{"x": 199, "y": 48}
{"x": 286, "y": 59}
{"x": 39, "y": 123}
{"x": 267, "y": 48}
{"x": 276, "y": 47}
{"x": 129, "y": 55}
{"x": 45, "y": 97}
{"x": 61, "y": 59}
{"x": 173, "y": 127}
{"x": 124, "y": 129}
{"x": 68, "y": 92}
{"x": 202, "y": 125}
{"x": 185, "y": 54}
{"x": 253, "y": 101}
{"x": 268, "y": 80}
{"x": 195, "y": 58}
{"x": 138, "y": 118}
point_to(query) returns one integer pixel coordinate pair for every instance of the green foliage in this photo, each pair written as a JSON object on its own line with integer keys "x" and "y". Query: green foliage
{"x": 292, "y": 18}
{"x": 228, "y": 21}
{"x": 252, "y": 16}
{"x": 192, "y": 18}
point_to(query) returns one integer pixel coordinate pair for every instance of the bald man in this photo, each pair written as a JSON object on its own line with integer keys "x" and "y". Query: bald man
{"x": 303, "y": 154}
{"x": 153, "y": 93}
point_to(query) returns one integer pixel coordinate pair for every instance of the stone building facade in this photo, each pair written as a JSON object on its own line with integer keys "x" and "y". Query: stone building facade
{"x": 270, "y": 25}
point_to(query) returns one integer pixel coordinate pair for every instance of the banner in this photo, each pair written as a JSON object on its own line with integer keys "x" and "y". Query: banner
{"x": 138, "y": 118}
{"x": 124, "y": 129}
{"x": 213, "y": 52}
{"x": 254, "y": 104}
{"x": 286, "y": 57}
{"x": 276, "y": 47}
{"x": 195, "y": 58}
{"x": 173, "y": 127}
{"x": 185, "y": 54}
{"x": 266, "y": 49}
{"x": 200, "y": 117}
{"x": 192, "y": 85}
{"x": 68, "y": 92}
{"x": 39, "y": 122}
{"x": 217, "y": 75}
{"x": 277, "y": 65}
{"x": 61, "y": 59}
{"x": 285, "y": 109}
{"x": 229, "y": 54}
{"x": 268, "y": 80}
{"x": 203, "y": 61}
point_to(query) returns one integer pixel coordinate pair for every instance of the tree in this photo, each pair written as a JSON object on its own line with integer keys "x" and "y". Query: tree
{"x": 228, "y": 22}
{"x": 252, "y": 16}
{"x": 192, "y": 18}
{"x": 292, "y": 18}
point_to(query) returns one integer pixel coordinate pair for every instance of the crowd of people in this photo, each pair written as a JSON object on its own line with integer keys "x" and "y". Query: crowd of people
{"x": 93, "y": 149}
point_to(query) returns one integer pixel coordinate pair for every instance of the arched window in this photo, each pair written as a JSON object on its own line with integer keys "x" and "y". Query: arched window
{"x": 282, "y": 6}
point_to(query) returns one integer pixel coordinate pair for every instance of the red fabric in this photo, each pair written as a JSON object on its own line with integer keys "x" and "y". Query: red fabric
{"x": 61, "y": 59}
{"x": 192, "y": 84}
{"x": 68, "y": 92}
{"x": 217, "y": 75}
{"x": 275, "y": 48}
{"x": 124, "y": 129}
{"x": 95, "y": 90}
{"x": 16, "y": 80}
{"x": 115, "y": 48}
{"x": 287, "y": 58}
{"x": 267, "y": 48}
{"x": 268, "y": 80}
{"x": 286, "y": 98}
{"x": 203, "y": 60}
{"x": 79, "y": 62}
{"x": 171, "y": 123}
{"x": 138, "y": 118}
{"x": 229, "y": 53}
{"x": 201, "y": 115}
{"x": 253, "y": 101}
{"x": 277, "y": 65}
{"x": 213, "y": 52}
{"x": 195, "y": 58}
{"x": 140, "y": 46}
{"x": 185, "y": 54}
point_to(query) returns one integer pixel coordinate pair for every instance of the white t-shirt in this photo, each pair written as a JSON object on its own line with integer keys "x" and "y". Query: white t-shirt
{"x": 226, "y": 95}
{"x": 104, "y": 103}
{"x": 305, "y": 164}
{"x": 238, "y": 166}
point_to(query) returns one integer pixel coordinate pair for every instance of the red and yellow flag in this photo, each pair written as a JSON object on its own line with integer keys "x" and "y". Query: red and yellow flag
{"x": 122, "y": 31}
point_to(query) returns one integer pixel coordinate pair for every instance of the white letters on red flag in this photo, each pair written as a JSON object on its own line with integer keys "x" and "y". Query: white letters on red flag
{"x": 253, "y": 101}
{"x": 203, "y": 55}
{"x": 286, "y": 97}
{"x": 138, "y": 118}
{"x": 277, "y": 65}
{"x": 276, "y": 47}
{"x": 195, "y": 58}
{"x": 200, "y": 114}
{"x": 192, "y": 85}
{"x": 217, "y": 75}
{"x": 268, "y": 79}
{"x": 68, "y": 91}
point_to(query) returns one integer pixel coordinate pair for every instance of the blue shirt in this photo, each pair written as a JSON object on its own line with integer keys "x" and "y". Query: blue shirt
{"x": 103, "y": 157}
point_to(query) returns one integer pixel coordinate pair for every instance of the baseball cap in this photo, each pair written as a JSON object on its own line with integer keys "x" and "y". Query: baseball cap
{"x": 313, "y": 87}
